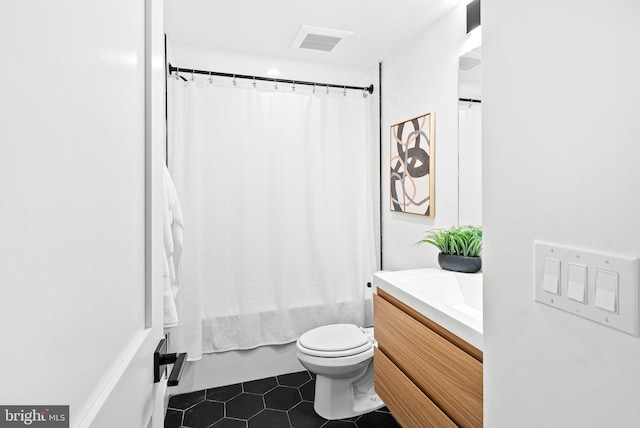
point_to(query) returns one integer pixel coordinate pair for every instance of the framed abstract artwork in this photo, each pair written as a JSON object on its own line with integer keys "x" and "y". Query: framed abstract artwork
{"x": 412, "y": 148}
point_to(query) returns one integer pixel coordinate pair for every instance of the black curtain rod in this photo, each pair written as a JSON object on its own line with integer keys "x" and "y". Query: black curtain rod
{"x": 267, "y": 79}
{"x": 470, "y": 100}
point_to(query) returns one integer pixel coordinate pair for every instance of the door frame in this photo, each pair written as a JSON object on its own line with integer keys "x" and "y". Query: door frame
{"x": 134, "y": 372}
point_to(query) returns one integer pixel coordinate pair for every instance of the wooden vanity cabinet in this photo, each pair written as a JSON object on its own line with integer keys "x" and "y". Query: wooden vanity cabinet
{"x": 426, "y": 375}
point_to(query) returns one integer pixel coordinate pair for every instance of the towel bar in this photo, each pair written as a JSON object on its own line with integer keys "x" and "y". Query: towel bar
{"x": 161, "y": 358}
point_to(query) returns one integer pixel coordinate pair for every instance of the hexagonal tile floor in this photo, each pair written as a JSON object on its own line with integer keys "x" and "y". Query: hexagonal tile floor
{"x": 275, "y": 402}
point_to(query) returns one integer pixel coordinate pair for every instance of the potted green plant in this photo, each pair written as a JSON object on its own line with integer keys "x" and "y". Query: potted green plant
{"x": 459, "y": 246}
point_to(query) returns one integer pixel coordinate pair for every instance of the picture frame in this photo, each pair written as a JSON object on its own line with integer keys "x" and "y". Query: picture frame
{"x": 412, "y": 166}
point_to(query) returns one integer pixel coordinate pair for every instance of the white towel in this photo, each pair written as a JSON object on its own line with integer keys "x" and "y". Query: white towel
{"x": 170, "y": 312}
{"x": 172, "y": 239}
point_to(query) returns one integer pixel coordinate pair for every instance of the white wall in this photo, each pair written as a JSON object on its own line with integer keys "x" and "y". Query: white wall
{"x": 470, "y": 163}
{"x": 470, "y": 83}
{"x": 422, "y": 77}
{"x": 561, "y": 156}
{"x": 470, "y": 90}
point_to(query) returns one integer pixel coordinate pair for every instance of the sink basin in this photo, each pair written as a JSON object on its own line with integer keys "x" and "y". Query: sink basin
{"x": 452, "y": 299}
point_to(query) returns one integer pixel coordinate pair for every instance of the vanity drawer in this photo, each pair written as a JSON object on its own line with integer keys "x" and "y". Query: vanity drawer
{"x": 408, "y": 404}
{"x": 449, "y": 376}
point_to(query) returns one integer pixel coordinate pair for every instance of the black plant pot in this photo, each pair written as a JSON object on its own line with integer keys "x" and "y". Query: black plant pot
{"x": 459, "y": 263}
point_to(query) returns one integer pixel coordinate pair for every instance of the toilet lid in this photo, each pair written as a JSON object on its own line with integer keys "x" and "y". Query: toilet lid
{"x": 342, "y": 339}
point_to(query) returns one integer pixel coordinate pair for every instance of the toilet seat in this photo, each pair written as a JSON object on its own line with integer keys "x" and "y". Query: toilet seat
{"x": 335, "y": 340}
{"x": 341, "y": 357}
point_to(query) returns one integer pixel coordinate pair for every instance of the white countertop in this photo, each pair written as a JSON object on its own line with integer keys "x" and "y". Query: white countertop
{"x": 451, "y": 299}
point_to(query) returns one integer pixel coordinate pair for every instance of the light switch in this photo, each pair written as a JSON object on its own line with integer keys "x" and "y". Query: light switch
{"x": 577, "y": 282}
{"x": 591, "y": 284}
{"x": 607, "y": 290}
{"x": 551, "y": 280}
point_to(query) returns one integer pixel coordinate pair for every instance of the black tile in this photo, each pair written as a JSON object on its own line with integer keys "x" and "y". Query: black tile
{"x": 308, "y": 391}
{"x": 230, "y": 423}
{"x": 247, "y": 409}
{"x": 294, "y": 379}
{"x": 303, "y": 416}
{"x": 203, "y": 414}
{"x": 377, "y": 420}
{"x": 224, "y": 393}
{"x": 270, "y": 419}
{"x": 173, "y": 418}
{"x": 184, "y": 401}
{"x": 282, "y": 398}
{"x": 339, "y": 424}
{"x": 244, "y": 406}
{"x": 260, "y": 386}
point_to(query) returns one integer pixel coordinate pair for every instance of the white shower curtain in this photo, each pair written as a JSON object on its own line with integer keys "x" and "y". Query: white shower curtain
{"x": 278, "y": 216}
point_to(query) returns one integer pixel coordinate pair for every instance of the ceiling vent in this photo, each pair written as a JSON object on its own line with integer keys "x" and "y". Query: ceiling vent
{"x": 318, "y": 39}
{"x": 467, "y": 64}
{"x": 471, "y": 59}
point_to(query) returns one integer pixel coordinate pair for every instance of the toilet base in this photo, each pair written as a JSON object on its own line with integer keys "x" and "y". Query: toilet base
{"x": 340, "y": 398}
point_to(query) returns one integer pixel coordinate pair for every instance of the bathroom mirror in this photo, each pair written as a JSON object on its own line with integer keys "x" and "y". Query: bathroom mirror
{"x": 470, "y": 138}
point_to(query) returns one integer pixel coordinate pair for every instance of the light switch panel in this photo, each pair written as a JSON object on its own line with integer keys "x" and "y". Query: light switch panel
{"x": 577, "y": 282}
{"x": 598, "y": 286}
{"x": 607, "y": 290}
{"x": 551, "y": 279}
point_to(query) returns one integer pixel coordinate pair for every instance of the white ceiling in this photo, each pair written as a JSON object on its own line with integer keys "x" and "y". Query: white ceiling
{"x": 266, "y": 28}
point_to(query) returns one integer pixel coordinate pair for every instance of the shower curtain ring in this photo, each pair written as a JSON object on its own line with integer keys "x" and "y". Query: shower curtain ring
{"x": 314, "y": 88}
{"x": 344, "y": 91}
{"x": 210, "y": 79}
{"x": 275, "y": 84}
{"x": 327, "y": 89}
{"x": 193, "y": 75}
{"x": 254, "y": 82}
{"x": 235, "y": 83}
{"x": 293, "y": 86}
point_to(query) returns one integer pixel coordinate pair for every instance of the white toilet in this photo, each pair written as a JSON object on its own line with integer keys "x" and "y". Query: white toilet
{"x": 341, "y": 356}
